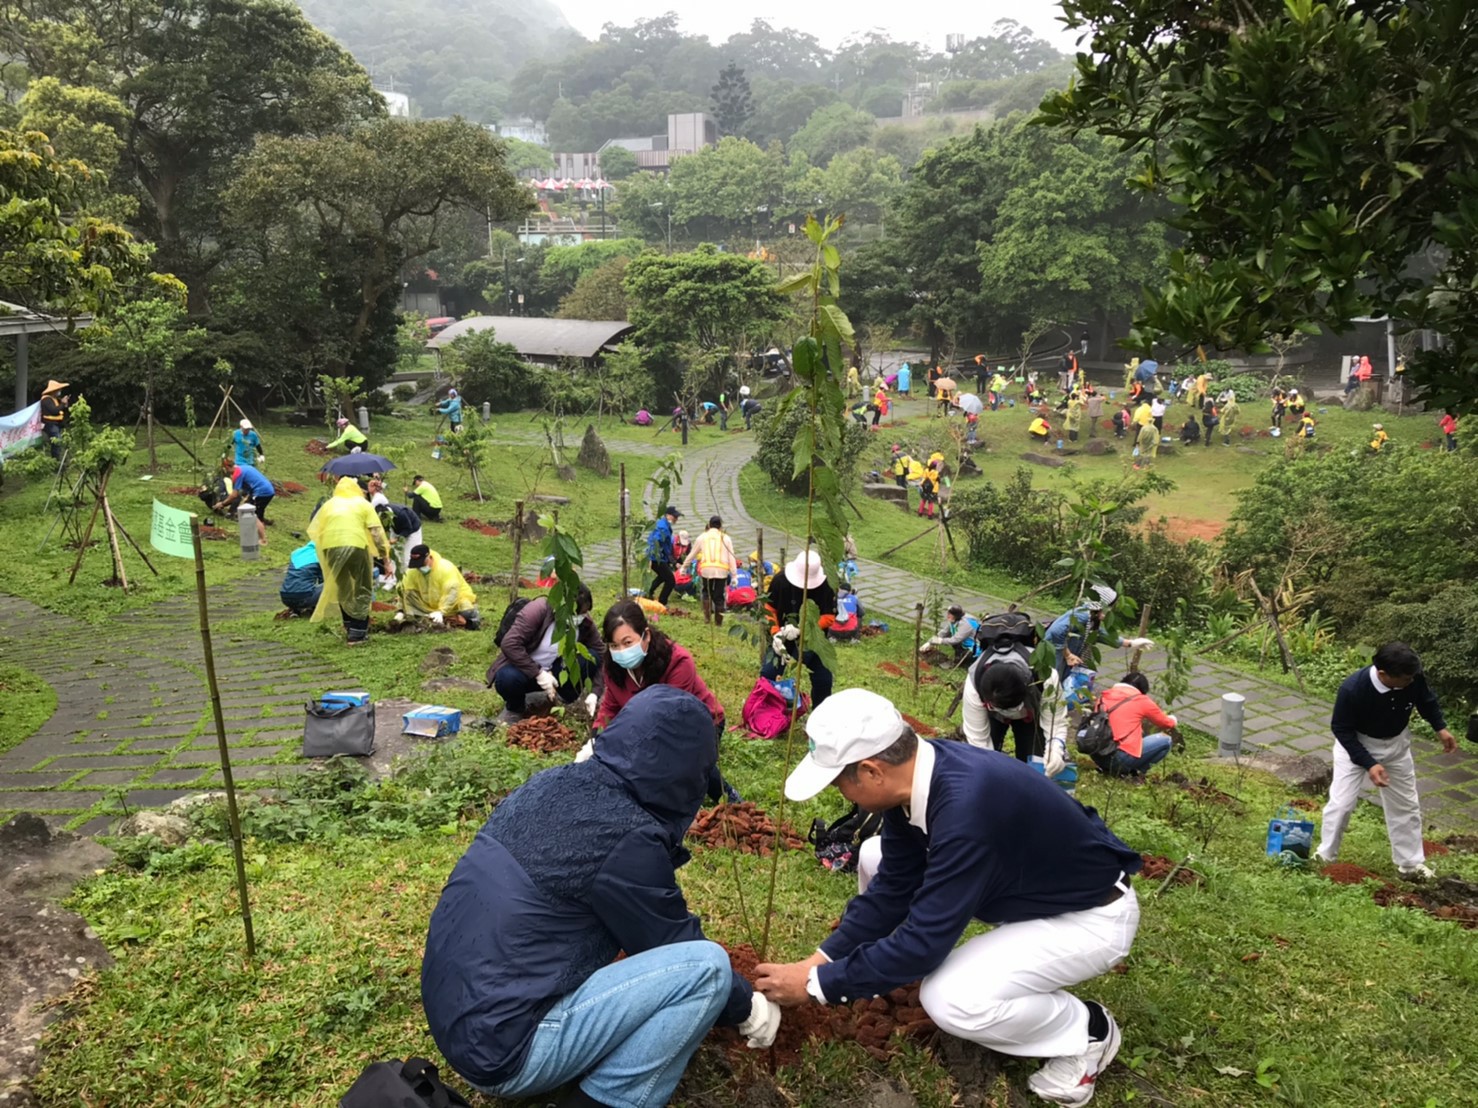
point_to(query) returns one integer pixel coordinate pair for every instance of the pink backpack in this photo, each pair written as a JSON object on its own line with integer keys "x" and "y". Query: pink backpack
{"x": 767, "y": 712}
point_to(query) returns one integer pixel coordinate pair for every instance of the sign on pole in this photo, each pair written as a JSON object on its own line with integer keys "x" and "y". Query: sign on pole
{"x": 169, "y": 532}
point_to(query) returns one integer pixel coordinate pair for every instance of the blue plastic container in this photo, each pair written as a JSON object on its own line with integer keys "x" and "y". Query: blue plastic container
{"x": 352, "y": 699}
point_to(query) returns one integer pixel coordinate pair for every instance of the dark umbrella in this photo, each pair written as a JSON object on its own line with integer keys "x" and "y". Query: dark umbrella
{"x": 357, "y": 465}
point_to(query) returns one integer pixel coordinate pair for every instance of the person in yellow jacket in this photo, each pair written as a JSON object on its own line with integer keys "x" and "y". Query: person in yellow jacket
{"x": 433, "y": 588}
{"x": 1380, "y": 440}
{"x": 915, "y": 471}
{"x": 349, "y": 538}
{"x": 854, "y": 382}
{"x": 1144, "y": 415}
{"x": 351, "y": 438}
{"x": 1074, "y": 418}
{"x": 902, "y": 463}
{"x": 1147, "y": 446}
{"x": 713, "y": 556}
{"x": 425, "y": 499}
{"x": 1040, "y": 429}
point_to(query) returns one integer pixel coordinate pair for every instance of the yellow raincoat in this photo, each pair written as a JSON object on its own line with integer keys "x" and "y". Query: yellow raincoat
{"x": 349, "y": 537}
{"x": 442, "y": 590}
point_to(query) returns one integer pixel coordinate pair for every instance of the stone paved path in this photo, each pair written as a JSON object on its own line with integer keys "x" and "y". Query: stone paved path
{"x": 133, "y": 725}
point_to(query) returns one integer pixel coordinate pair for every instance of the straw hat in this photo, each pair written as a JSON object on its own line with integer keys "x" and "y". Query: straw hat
{"x": 53, "y": 385}
{"x": 804, "y": 571}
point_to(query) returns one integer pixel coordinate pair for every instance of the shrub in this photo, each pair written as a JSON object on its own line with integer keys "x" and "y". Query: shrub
{"x": 403, "y": 392}
{"x": 776, "y": 430}
{"x": 491, "y": 372}
{"x": 1013, "y": 527}
{"x": 1442, "y": 631}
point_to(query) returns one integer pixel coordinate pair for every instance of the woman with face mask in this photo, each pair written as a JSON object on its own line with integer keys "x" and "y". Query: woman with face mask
{"x": 639, "y": 656}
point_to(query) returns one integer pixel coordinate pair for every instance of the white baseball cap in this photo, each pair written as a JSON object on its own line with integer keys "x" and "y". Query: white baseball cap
{"x": 246, "y": 425}
{"x": 846, "y": 728}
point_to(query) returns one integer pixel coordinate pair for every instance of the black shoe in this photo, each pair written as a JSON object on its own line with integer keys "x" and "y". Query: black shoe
{"x": 576, "y": 1097}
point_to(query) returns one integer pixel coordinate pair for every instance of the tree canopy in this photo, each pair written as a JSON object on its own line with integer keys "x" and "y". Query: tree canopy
{"x": 1320, "y": 157}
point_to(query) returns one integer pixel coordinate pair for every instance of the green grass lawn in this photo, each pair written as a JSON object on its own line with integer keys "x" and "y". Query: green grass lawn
{"x": 517, "y": 470}
{"x": 1255, "y": 985}
{"x": 29, "y": 702}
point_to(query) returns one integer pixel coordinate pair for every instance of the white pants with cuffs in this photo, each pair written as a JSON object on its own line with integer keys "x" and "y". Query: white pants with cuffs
{"x": 1398, "y": 800}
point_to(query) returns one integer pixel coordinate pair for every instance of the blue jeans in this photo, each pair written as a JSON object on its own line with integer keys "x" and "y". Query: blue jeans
{"x": 630, "y": 1029}
{"x": 1119, "y": 764}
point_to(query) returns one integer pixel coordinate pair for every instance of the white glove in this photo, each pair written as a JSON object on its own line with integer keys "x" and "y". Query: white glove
{"x": 1139, "y": 644}
{"x": 1056, "y": 760}
{"x": 438, "y": 619}
{"x": 388, "y": 583}
{"x": 261, "y": 459}
{"x": 763, "y": 1022}
{"x": 585, "y": 753}
{"x": 777, "y": 644}
{"x": 547, "y": 682}
{"x": 790, "y": 631}
{"x": 399, "y": 617}
{"x": 928, "y": 646}
{"x": 590, "y": 703}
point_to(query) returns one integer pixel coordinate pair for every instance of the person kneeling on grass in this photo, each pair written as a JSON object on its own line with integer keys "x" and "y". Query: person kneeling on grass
{"x": 433, "y": 588}
{"x": 529, "y": 672}
{"x": 1128, "y": 705}
{"x": 968, "y": 835}
{"x": 519, "y": 981}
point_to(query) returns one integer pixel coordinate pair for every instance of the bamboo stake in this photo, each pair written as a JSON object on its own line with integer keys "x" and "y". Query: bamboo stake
{"x": 119, "y": 573}
{"x": 918, "y": 638}
{"x": 1144, "y": 626}
{"x": 625, "y": 569}
{"x": 517, "y": 548}
{"x": 87, "y": 535}
{"x": 226, "y": 776}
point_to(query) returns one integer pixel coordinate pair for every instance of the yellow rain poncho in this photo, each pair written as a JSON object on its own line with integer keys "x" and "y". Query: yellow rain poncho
{"x": 349, "y": 538}
{"x": 443, "y": 590}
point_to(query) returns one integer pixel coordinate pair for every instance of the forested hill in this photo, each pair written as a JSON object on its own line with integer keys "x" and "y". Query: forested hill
{"x": 453, "y": 57}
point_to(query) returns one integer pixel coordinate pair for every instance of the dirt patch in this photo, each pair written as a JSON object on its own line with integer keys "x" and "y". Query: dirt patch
{"x": 211, "y": 533}
{"x": 318, "y": 448}
{"x": 184, "y": 490}
{"x": 1446, "y": 898}
{"x": 742, "y": 827}
{"x": 923, "y": 730}
{"x": 542, "y": 736}
{"x": 892, "y": 669}
{"x": 482, "y": 528}
{"x": 869, "y": 632}
{"x": 1467, "y": 844}
{"x": 1157, "y": 867}
{"x": 1432, "y": 849}
{"x": 381, "y": 606}
{"x": 870, "y": 1023}
{"x": 1343, "y": 873}
{"x": 1304, "y": 804}
{"x": 1183, "y": 529}
{"x": 289, "y": 488}
{"x": 1204, "y": 790}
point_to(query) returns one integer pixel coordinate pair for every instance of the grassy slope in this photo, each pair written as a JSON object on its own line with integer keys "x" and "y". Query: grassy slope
{"x": 1256, "y": 969}
{"x": 29, "y": 702}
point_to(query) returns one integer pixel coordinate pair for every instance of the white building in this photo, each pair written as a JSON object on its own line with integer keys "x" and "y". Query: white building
{"x": 398, "y": 103}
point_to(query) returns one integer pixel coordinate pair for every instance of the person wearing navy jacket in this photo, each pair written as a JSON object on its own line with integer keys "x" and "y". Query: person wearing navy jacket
{"x": 1371, "y": 712}
{"x": 952, "y": 850}
{"x": 519, "y": 980}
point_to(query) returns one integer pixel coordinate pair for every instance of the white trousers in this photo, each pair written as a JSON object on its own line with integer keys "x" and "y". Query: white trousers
{"x": 1398, "y": 800}
{"x": 1005, "y": 989}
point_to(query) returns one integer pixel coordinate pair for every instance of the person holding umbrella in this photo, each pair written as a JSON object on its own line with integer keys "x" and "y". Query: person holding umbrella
{"x": 348, "y": 537}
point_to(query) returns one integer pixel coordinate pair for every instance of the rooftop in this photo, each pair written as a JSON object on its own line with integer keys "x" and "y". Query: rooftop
{"x": 535, "y": 337}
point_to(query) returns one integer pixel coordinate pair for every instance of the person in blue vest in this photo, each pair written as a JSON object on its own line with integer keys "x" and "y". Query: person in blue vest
{"x": 248, "y": 483}
{"x": 661, "y": 557}
{"x": 968, "y": 835}
{"x": 451, "y": 407}
{"x": 247, "y": 445}
{"x": 520, "y": 982}
{"x": 958, "y": 634}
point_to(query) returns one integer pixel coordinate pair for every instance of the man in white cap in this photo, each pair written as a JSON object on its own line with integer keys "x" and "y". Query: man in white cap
{"x": 248, "y": 445}
{"x": 968, "y": 835}
{"x": 803, "y": 579}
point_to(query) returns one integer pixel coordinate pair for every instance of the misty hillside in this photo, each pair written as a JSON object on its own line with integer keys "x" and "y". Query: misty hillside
{"x": 451, "y": 56}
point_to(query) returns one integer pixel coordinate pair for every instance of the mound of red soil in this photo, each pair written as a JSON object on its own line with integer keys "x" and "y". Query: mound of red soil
{"x": 545, "y": 735}
{"x": 742, "y": 827}
{"x": 1304, "y": 804}
{"x": 921, "y": 729}
{"x": 317, "y": 448}
{"x": 1157, "y": 867}
{"x": 212, "y": 533}
{"x": 891, "y": 668}
{"x": 381, "y": 606}
{"x": 481, "y": 528}
{"x": 871, "y": 1023}
{"x": 1343, "y": 873}
{"x": 184, "y": 490}
{"x": 1432, "y": 849}
{"x": 869, "y": 632}
{"x": 288, "y": 488}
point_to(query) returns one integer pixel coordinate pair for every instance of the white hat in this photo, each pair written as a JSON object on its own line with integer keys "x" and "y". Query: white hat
{"x": 1104, "y": 597}
{"x": 804, "y": 570}
{"x": 846, "y": 728}
{"x": 743, "y": 390}
{"x": 246, "y": 425}
{"x": 682, "y": 537}
{"x": 1377, "y": 427}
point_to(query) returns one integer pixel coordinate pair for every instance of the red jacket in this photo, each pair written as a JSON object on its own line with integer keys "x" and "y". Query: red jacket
{"x": 1128, "y": 722}
{"x": 1448, "y": 425}
{"x": 681, "y": 673}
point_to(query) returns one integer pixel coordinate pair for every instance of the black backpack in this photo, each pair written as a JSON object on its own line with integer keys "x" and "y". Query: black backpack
{"x": 395, "y": 1084}
{"x": 1007, "y": 630}
{"x": 837, "y": 843}
{"x": 509, "y": 615}
{"x": 1096, "y": 735}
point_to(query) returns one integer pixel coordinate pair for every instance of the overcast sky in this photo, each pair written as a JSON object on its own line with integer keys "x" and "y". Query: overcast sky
{"x": 831, "y": 21}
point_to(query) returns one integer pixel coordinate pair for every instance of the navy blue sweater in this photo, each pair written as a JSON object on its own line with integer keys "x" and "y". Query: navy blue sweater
{"x": 1360, "y": 709}
{"x": 1005, "y": 844}
{"x": 572, "y": 867}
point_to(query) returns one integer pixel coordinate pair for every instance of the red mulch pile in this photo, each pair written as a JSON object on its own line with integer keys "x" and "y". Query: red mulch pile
{"x": 317, "y": 448}
{"x": 871, "y": 1023}
{"x": 1448, "y": 898}
{"x": 1432, "y": 849}
{"x": 545, "y": 735}
{"x": 1343, "y": 873}
{"x": 921, "y": 729}
{"x": 481, "y": 528}
{"x": 212, "y": 533}
{"x": 1304, "y": 804}
{"x": 184, "y": 490}
{"x": 1157, "y": 867}
{"x": 288, "y": 488}
{"x": 381, "y": 606}
{"x": 869, "y": 632}
{"x": 892, "y": 669}
{"x": 742, "y": 827}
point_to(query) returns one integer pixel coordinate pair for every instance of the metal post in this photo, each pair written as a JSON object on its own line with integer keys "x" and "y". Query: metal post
{"x": 517, "y": 548}
{"x": 1390, "y": 352}
{"x": 918, "y": 640}
{"x": 364, "y": 423}
{"x": 22, "y": 366}
{"x": 487, "y": 411}
{"x": 1233, "y": 707}
{"x": 246, "y": 519}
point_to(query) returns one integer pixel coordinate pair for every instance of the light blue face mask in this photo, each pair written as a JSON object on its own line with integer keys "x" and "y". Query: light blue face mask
{"x": 424, "y": 569}
{"x": 630, "y": 657}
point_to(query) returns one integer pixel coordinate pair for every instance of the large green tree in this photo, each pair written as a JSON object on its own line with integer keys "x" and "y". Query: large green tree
{"x": 732, "y": 102}
{"x": 370, "y": 203}
{"x": 199, "y": 82}
{"x": 1321, "y": 156}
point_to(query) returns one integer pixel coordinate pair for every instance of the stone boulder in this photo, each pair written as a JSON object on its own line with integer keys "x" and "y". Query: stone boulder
{"x": 454, "y": 684}
{"x": 593, "y": 454}
{"x": 1307, "y": 773}
{"x": 1098, "y": 447}
{"x": 170, "y": 828}
{"x": 882, "y": 490}
{"x": 439, "y": 660}
{"x": 1048, "y": 460}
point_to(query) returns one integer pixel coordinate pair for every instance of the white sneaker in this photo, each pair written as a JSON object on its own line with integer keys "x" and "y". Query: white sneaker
{"x": 1419, "y": 872}
{"x": 1070, "y": 1079}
